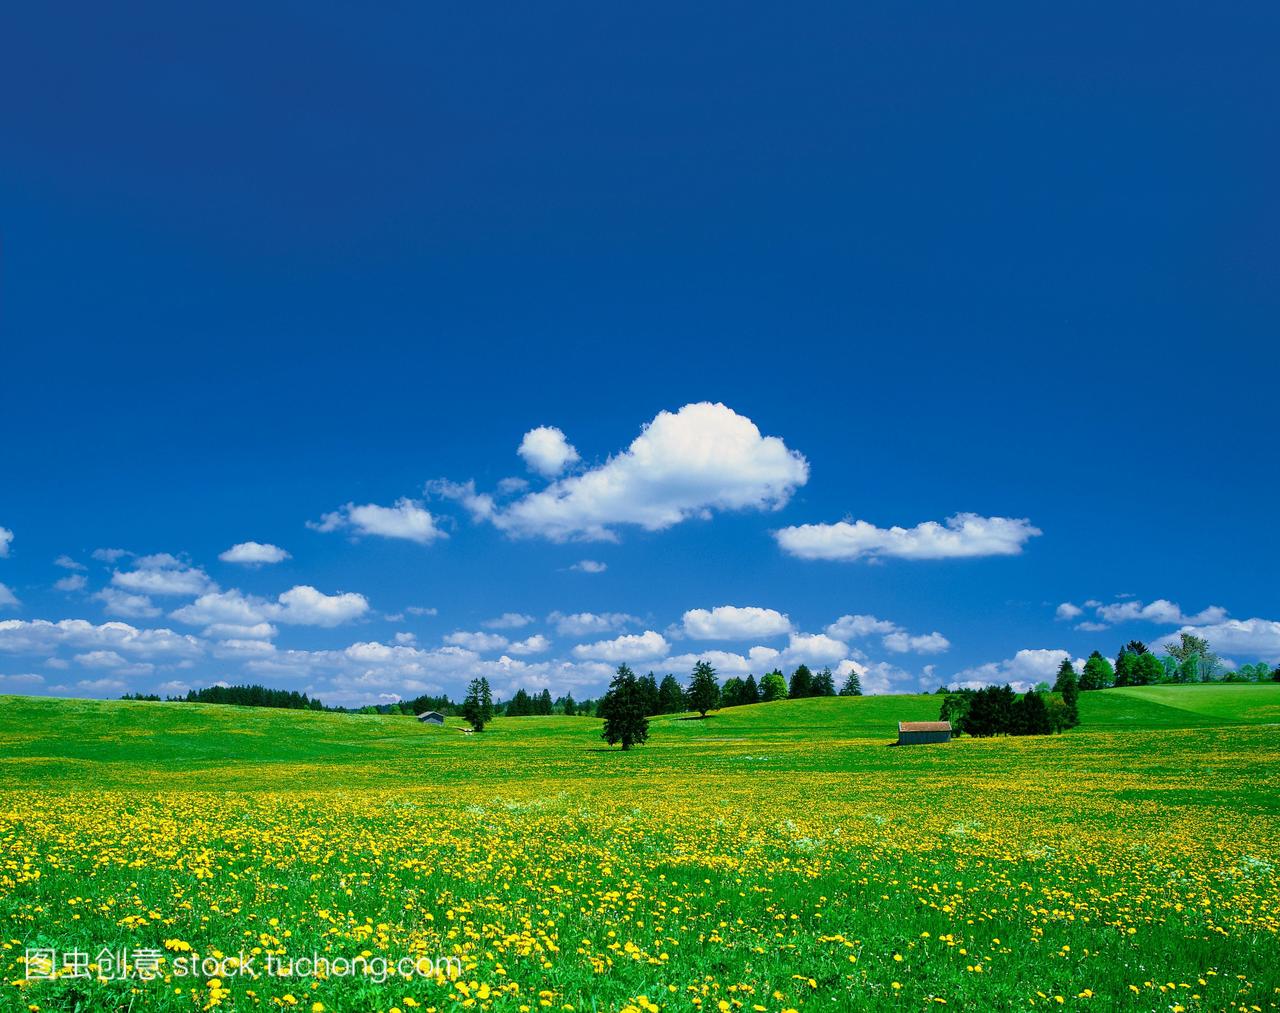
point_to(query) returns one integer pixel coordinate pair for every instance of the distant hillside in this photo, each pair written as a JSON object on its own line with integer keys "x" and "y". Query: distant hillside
{"x": 124, "y": 744}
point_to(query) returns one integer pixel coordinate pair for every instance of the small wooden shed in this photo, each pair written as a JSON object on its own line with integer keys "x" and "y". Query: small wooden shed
{"x": 431, "y": 718}
{"x": 914, "y": 733}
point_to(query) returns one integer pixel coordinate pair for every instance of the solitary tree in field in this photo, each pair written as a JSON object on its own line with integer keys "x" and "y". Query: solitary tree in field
{"x": 623, "y": 711}
{"x": 704, "y": 692}
{"x": 852, "y": 685}
{"x": 773, "y": 686}
{"x": 1069, "y": 687}
{"x": 477, "y": 708}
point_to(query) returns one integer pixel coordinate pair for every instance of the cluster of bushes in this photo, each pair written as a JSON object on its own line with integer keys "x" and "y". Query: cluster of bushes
{"x": 998, "y": 710}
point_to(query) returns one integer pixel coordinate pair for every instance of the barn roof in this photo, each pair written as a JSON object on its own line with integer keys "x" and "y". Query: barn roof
{"x": 924, "y": 726}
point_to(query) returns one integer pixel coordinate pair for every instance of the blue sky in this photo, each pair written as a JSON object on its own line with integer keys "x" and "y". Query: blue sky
{"x": 297, "y": 277}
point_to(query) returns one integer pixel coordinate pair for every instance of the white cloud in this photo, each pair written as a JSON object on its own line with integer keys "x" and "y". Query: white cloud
{"x": 963, "y": 536}
{"x": 546, "y": 451}
{"x": 732, "y": 622}
{"x": 254, "y": 554}
{"x": 849, "y": 627}
{"x": 536, "y": 644}
{"x": 101, "y": 685}
{"x": 175, "y": 686}
{"x": 724, "y": 662}
{"x": 508, "y": 621}
{"x": 302, "y": 605}
{"x": 405, "y": 639}
{"x": 42, "y": 636}
{"x": 879, "y": 677}
{"x": 8, "y": 598}
{"x": 163, "y": 574}
{"x": 408, "y": 520}
{"x": 24, "y": 681}
{"x": 690, "y": 463}
{"x": 239, "y": 648}
{"x": 589, "y": 566}
{"x": 895, "y": 638}
{"x": 236, "y": 631}
{"x": 1091, "y": 627}
{"x": 629, "y": 647}
{"x": 479, "y": 642}
{"x": 67, "y": 563}
{"x": 1245, "y": 638}
{"x": 418, "y": 610}
{"x": 1068, "y": 611}
{"x": 581, "y": 624}
{"x": 1022, "y": 671}
{"x": 6, "y": 539}
{"x": 110, "y": 555}
{"x": 813, "y": 649}
{"x": 1159, "y": 611}
{"x": 928, "y": 643}
{"x": 71, "y": 582}
{"x": 100, "y": 659}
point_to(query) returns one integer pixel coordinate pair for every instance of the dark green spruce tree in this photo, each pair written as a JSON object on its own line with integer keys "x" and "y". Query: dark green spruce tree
{"x": 622, "y": 708}
{"x": 704, "y": 691}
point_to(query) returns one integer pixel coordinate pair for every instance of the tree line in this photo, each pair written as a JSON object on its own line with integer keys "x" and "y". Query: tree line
{"x": 1188, "y": 660}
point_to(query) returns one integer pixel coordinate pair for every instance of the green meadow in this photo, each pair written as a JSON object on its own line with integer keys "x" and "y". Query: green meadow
{"x": 781, "y": 856}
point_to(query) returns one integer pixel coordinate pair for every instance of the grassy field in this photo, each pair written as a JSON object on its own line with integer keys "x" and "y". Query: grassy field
{"x": 770, "y": 858}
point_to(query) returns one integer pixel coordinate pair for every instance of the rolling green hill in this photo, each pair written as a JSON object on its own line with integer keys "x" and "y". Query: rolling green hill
{"x": 120, "y": 743}
{"x": 779, "y": 857}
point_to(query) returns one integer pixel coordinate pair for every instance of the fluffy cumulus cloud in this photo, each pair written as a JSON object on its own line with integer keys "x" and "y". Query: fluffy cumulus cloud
{"x": 478, "y": 642}
{"x": 71, "y": 582}
{"x": 41, "y": 636}
{"x": 685, "y": 464}
{"x": 925, "y": 643}
{"x": 536, "y": 644}
{"x": 302, "y": 605}
{"x": 1247, "y": 639}
{"x": 1160, "y": 611}
{"x": 67, "y": 563}
{"x": 6, "y": 539}
{"x": 731, "y": 622}
{"x": 128, "y": 606}
{"x": 546, "y": 451}
{"x": 163, "y": 574}
{"x": 508, "y": 621}
{"x": 726, "y": 663}
{"x": 1068, "y": 611}
{"x": 583, "y": 624}
{"x": 110, "y": 555}
{"x": 962, "y": 536}
{"x": 407, "y": 519}
{"x": 1022, "y": 671}
{"x": 254, "y": 554}
{"x": 8, "y": 598}
{"x": 628, "y": 647}
{"x": 893, "y": 636}
{"x": 589, "y": 566}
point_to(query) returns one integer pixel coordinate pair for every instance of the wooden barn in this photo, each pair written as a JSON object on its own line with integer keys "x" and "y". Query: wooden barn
{"x": 915, "y": 733}
{"x": 431, "y": 718}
